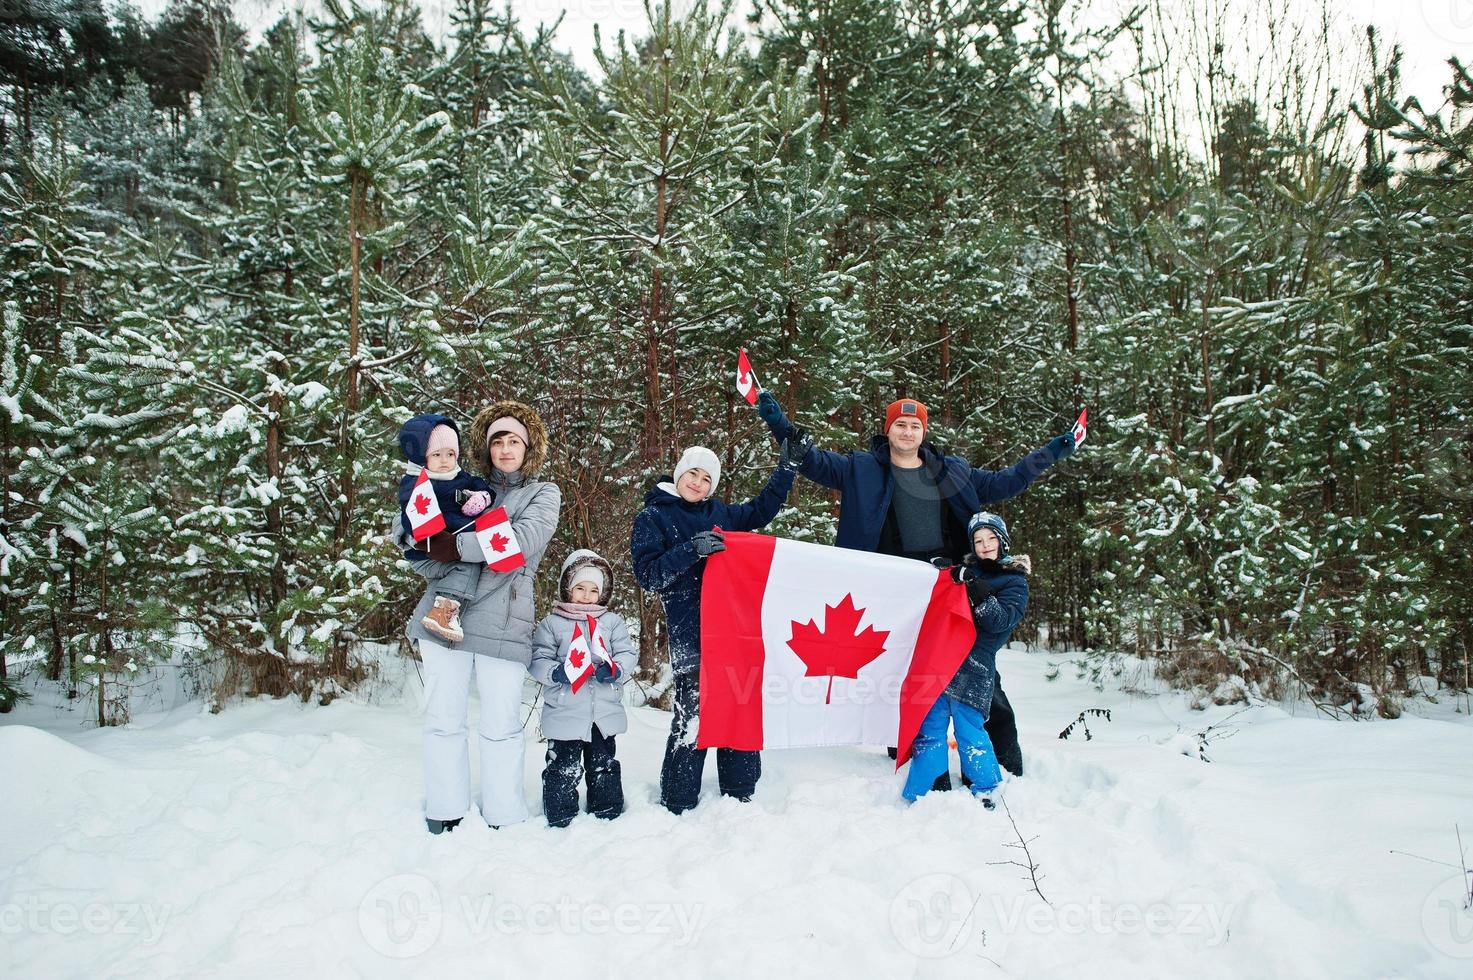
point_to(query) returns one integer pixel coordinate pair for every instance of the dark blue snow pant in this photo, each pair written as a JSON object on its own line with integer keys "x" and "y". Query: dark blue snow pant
{"x": 568, "y": 760}
{"x": 737, "y": 772}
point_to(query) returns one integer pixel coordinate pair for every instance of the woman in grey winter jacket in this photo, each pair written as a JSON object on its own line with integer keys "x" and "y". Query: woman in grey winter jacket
{"x": 509, "y": 444}
{"x": 580, "y": 725}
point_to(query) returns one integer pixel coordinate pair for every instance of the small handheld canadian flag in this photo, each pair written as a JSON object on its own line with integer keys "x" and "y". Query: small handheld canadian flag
{"x": 1081, "y": 428}
{"x": 578, "y": 664}
{"x": 423, "y": 510}
{"x": 596, "y": 643}
{"x": 499, "y": 541}
{"x": 746, "y": 379}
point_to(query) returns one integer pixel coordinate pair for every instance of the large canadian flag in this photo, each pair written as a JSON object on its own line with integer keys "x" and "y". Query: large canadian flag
{"x": 803, "y": 644}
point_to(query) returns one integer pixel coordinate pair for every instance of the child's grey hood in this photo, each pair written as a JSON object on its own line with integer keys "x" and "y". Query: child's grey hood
{"x": 582, "y": 558}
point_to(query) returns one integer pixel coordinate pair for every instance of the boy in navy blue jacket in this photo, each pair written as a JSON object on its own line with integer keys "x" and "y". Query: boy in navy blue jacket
{"x": 997, "y": 588}
{"x": 671, "y": 540}
{"x": 432, "y": 442}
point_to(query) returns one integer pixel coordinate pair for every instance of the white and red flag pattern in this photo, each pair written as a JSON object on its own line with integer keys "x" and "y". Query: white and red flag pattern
{"x": 1081, "y": 428}
{"x": 746, "y": 380}
{"x": 801, "y": 649}
{"x": 499, "y": 541}
{"x": 578, "y": 661}
{"x": 423, "y": 510}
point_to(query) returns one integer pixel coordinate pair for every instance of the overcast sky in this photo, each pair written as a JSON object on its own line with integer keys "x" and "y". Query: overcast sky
{"x": 1429, "y": 31}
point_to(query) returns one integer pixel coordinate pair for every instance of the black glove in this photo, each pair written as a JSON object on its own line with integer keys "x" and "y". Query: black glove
{"x": 771, "y": 412}
{"x": 1062, "y": 447}
{"x": 708, "y": 543}
{"x": 939, "y": 562}
{"x": 978, "y": 590}
{"x": 606, "y": 673}
{"x": 559, "y": 675}
{"x": 795, "y": 449}
{"x": 442, "y": 547}
{"x": 963, "y": 574}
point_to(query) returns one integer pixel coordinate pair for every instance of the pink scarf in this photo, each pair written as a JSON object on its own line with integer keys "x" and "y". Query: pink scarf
{"x": 578, "y": 610}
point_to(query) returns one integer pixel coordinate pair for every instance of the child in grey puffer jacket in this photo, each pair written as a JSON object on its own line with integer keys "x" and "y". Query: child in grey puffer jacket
{"x": 580, "y": 725}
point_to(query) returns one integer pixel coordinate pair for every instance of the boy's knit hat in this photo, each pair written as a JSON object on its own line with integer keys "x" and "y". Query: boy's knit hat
{"x": 699, "y": 457}
{"x": 905, "y": 408}
{"x": 996, "y": 525}
{"x": 443, "y": 437}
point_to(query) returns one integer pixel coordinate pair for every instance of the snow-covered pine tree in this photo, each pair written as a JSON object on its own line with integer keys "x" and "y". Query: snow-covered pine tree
{"x": 48, "y": 269}
{"x": 635, "y": 238}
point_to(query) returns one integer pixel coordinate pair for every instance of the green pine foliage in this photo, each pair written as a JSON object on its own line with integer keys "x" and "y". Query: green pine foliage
{"x": 230, "y": 267}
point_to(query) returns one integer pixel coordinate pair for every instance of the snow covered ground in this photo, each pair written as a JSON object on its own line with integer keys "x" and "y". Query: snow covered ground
{"x": 282, "y": 839}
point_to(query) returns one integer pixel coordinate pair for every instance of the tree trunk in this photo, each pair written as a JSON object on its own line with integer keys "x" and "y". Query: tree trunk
{"x": 105, "y": 634}
{"x": 730, "y": 464}
{"x": 274, "y": 524}
{"x": 655, "y": 313}
{"x": 944, "y": 328}
{"x": 350, "y": 381}
{"x": 1207, "y": 369}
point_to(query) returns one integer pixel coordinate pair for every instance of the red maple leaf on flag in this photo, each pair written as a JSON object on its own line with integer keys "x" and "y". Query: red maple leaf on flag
{"x": 498, "y": 542}
{"x": 838, "y": 649}
{"x": 575, "y": 658}
{"x": 421, "y": 504}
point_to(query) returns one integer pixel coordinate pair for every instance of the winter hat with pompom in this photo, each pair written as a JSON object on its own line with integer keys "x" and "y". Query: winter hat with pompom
{"x": 995, "y": 524}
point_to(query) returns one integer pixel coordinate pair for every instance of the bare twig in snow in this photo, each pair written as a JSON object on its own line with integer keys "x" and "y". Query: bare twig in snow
{"x": 1028, "y": 864}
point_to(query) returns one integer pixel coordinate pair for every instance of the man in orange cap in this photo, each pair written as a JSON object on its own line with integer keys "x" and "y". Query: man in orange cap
{"x": 904, "y": 497}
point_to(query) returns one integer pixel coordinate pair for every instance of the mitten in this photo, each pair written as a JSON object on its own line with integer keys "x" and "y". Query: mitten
{"x": 442, "y": 547}
{"x": 771, "y": 412}
{"x": 1061, "y": 447}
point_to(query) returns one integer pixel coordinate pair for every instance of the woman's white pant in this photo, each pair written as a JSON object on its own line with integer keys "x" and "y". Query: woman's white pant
{"x": 447, "y": 748}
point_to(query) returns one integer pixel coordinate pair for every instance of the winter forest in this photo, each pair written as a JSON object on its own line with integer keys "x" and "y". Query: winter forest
{"x": 236, "y": 257}
{"x": 231, "y": 268}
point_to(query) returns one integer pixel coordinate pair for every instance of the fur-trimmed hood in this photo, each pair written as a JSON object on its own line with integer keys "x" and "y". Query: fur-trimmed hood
{"x": 475, "y": 438}
{"x": 581, "y": 559}
{"x": 1021, "y": 564}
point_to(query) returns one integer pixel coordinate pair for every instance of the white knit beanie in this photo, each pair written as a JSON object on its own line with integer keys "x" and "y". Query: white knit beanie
{"x": 590, "y": 573}
{"x": 699, "y": 457}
